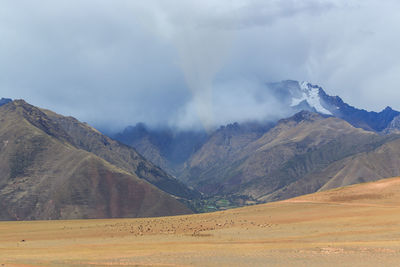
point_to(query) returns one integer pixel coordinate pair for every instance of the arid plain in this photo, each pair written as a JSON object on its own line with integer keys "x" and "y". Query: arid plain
{"x": 352, "y": 226}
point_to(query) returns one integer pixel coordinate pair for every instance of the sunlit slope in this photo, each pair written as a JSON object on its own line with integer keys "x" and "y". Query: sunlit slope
{"x": 353, "y": 226}
{"x": 383, "y": 193}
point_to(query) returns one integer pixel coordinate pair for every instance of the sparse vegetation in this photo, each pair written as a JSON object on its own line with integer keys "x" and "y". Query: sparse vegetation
{"x": 216, "y": 203}
{"x": 24, "y": 155}
{"x": 339, "y": 227}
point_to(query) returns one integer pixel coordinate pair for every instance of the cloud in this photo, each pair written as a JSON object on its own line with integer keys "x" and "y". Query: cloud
{"x": 115, "y": 63}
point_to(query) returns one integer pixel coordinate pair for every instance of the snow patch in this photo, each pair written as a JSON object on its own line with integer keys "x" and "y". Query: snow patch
{"x": 311, "y": 95}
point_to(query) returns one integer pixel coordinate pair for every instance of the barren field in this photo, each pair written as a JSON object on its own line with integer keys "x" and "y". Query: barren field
{"x": 352, "y": 226}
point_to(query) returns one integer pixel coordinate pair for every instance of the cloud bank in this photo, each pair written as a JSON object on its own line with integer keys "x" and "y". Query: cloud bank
{"x": 191, "y": 63}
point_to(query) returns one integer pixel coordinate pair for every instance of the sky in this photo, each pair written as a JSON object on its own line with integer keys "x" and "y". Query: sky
{"x": 186, "y": 63}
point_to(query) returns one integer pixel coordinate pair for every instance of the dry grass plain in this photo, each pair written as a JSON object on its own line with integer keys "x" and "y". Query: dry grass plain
{"x": 352, "y": 226}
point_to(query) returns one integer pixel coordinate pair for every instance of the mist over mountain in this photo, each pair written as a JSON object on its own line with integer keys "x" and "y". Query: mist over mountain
{"x": 298, "y": 155}
{"x": 191, "y": 64}
{"x": 170, "y": 147}
{"x": 166, "y": 147}
{"x": 295, "y": 96}
{"x": 322, "y": 143}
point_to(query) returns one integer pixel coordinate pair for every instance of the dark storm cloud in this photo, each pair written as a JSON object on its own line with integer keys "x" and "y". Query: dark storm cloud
{"x": 114, "y": 63}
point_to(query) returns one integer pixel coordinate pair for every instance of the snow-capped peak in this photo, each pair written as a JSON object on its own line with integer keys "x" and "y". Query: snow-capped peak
{"x": 311, "y": 95}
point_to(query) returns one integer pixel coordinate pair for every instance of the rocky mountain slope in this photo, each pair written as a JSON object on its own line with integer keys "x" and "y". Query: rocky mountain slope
{"x": 87, "y": 138}
{"x": 298, "y": 150}
{"x": 51, "y": 172}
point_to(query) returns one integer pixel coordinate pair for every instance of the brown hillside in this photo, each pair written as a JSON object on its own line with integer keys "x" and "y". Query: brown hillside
{"x": 45, "y": 176}
{"x": 286, "y": 161}
{"x": 374, "y": 164}
{"x": 87, "y": 138}
{"x": 385, "y": 193}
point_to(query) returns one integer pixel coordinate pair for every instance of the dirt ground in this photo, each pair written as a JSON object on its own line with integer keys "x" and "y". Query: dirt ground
{"x": 352, "y": 226}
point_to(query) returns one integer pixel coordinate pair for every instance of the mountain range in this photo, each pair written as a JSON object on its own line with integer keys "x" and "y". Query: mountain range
{"x": 324, "y": 143}
{"x": 56, "y": 167}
